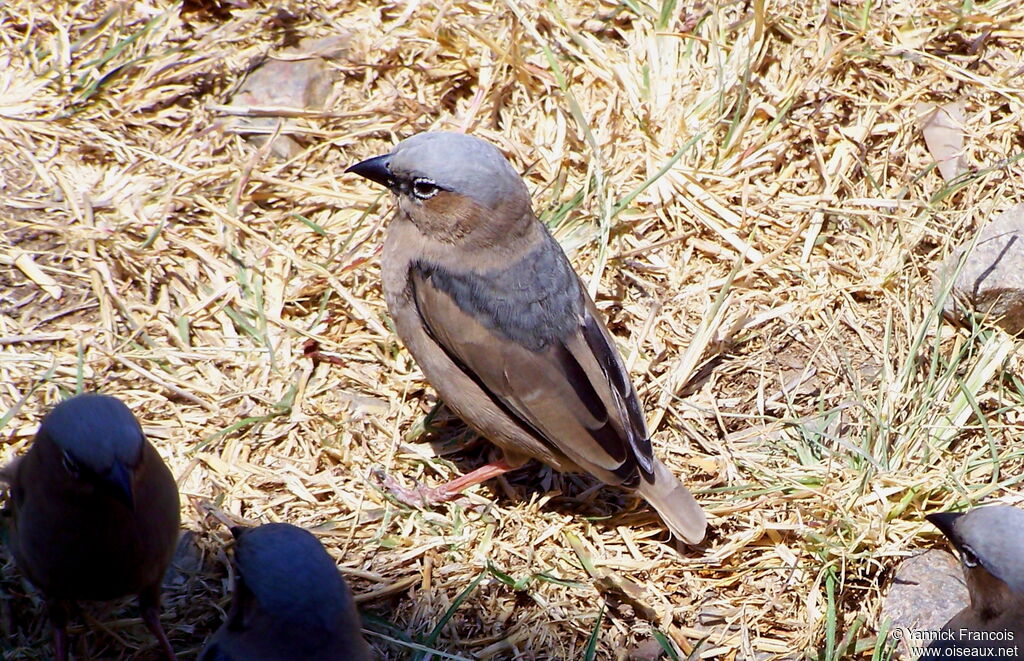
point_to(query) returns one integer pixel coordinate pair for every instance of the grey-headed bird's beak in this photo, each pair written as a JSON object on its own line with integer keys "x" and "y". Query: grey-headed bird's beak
{"x": 945, "y": 521}
{"x": 119, "y": 481}
{"x": 375, "y": 169}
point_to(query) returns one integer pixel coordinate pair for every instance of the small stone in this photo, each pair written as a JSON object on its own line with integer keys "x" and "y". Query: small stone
{"x": 991, "y": 282}
{"x": 926, "y": 592}
{"x": 649, "y": 650}
{"x": 298, "y": 80}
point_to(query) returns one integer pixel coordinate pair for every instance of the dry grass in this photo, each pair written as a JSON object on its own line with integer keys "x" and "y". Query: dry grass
{"x": 745, "y": 187}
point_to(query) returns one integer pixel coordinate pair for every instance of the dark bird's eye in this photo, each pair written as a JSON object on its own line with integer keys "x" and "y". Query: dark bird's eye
{"x": 968, "y": 557}
{"x": 70, "y": 465}
{"x": 424, "y": 188}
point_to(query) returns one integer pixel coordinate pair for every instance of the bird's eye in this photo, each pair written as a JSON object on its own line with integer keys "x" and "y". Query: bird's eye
{"x": 70, "y": 465}
{"x": 424, "y": 188}
{"x": 968, "y": 557}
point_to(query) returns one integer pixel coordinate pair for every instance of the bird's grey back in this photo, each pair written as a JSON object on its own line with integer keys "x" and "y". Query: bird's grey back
{"x": 291, "y": 574}
{"x": 96, "y": 430}
{"x": 996, "y": 535}
{"x": 462, "y": 163}
{"x": 535, "y": 301}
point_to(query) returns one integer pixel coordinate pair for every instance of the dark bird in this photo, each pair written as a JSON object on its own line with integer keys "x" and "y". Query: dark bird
{"x": 290, "y": 602}
{"x": 95, "y": 512}
{"x": 491, "y": 309}
{"x": 990, "y": 543}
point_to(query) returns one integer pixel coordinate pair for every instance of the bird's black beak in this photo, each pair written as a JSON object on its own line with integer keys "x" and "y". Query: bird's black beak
{"x": 945, "y": 521}
{"x": 375, "y": 169}
{"x": 119, "y": 482}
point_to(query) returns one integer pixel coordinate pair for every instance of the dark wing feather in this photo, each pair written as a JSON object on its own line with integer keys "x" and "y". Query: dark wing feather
{"x": 607, "y": 434}
{"x": 601, "y": 345}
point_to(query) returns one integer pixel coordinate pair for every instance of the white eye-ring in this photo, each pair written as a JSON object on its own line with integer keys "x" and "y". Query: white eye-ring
{"x": 424, "y": 188}
{"x": 968, "y": 557}
{"x": 70, "y": 465}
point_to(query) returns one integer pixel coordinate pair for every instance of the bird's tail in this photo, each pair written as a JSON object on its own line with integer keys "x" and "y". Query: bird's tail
{"x": 675, "y": 504}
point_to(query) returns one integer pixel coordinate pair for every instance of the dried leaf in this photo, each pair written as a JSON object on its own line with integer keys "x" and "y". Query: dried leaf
{"x": 943, "y": 128}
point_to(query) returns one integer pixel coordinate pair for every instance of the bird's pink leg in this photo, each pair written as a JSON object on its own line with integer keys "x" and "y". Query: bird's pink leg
{"x": 58, "y": 611}
{"x": 149, "y": 604}
{"x": 421, "y": 496}
{"x": 60, "y": 643}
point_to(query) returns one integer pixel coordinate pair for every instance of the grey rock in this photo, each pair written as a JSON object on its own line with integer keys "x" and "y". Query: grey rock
{"x": 991, "y": 283}
{"x": 299, "y": 80}
{"x": 926, "y": 592}
{"x": 187, "y": 562}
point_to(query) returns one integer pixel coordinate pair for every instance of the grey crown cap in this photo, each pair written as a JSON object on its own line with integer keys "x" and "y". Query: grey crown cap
{"x": 95, "y": 430}
{"x": 291, "y": 574}
{"x": 996, "y": 535}
{"x": 461, "y": 163}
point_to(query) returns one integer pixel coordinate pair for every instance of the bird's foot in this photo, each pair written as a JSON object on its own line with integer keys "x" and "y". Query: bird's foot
{"x": 422, "y": 497}
{"x": 311, "y": 350}
{"x": 417, "y": 497}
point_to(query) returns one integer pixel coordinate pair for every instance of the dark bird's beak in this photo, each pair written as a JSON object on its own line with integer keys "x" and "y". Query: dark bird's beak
{"x": 119, "y": 482}
{"x": 375, "y": 169}
{"x": 945, "y": 521}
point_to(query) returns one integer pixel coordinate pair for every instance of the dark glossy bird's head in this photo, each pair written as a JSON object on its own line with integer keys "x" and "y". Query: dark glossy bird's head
{"x": 449, "y": 183}
{"x": 988, "y": 539}
{"x": 285, "y": 571}
{"x": 95, "y": 443}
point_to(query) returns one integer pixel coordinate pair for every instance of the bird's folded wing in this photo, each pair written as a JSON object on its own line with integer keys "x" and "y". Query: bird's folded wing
{"x": 572, "y": 394}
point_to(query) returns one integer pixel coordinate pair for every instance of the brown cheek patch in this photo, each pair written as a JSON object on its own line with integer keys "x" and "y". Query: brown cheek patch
{"x": 995, "y": 596}
{"x": 451, "y": 216}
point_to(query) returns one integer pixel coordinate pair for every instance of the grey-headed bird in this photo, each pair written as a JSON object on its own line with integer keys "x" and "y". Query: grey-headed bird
{"x": 290, "y": 602}
{"x": 95, "y": 512}
{"x": 491, "y": 309}
{"x": 990, "y": 542}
